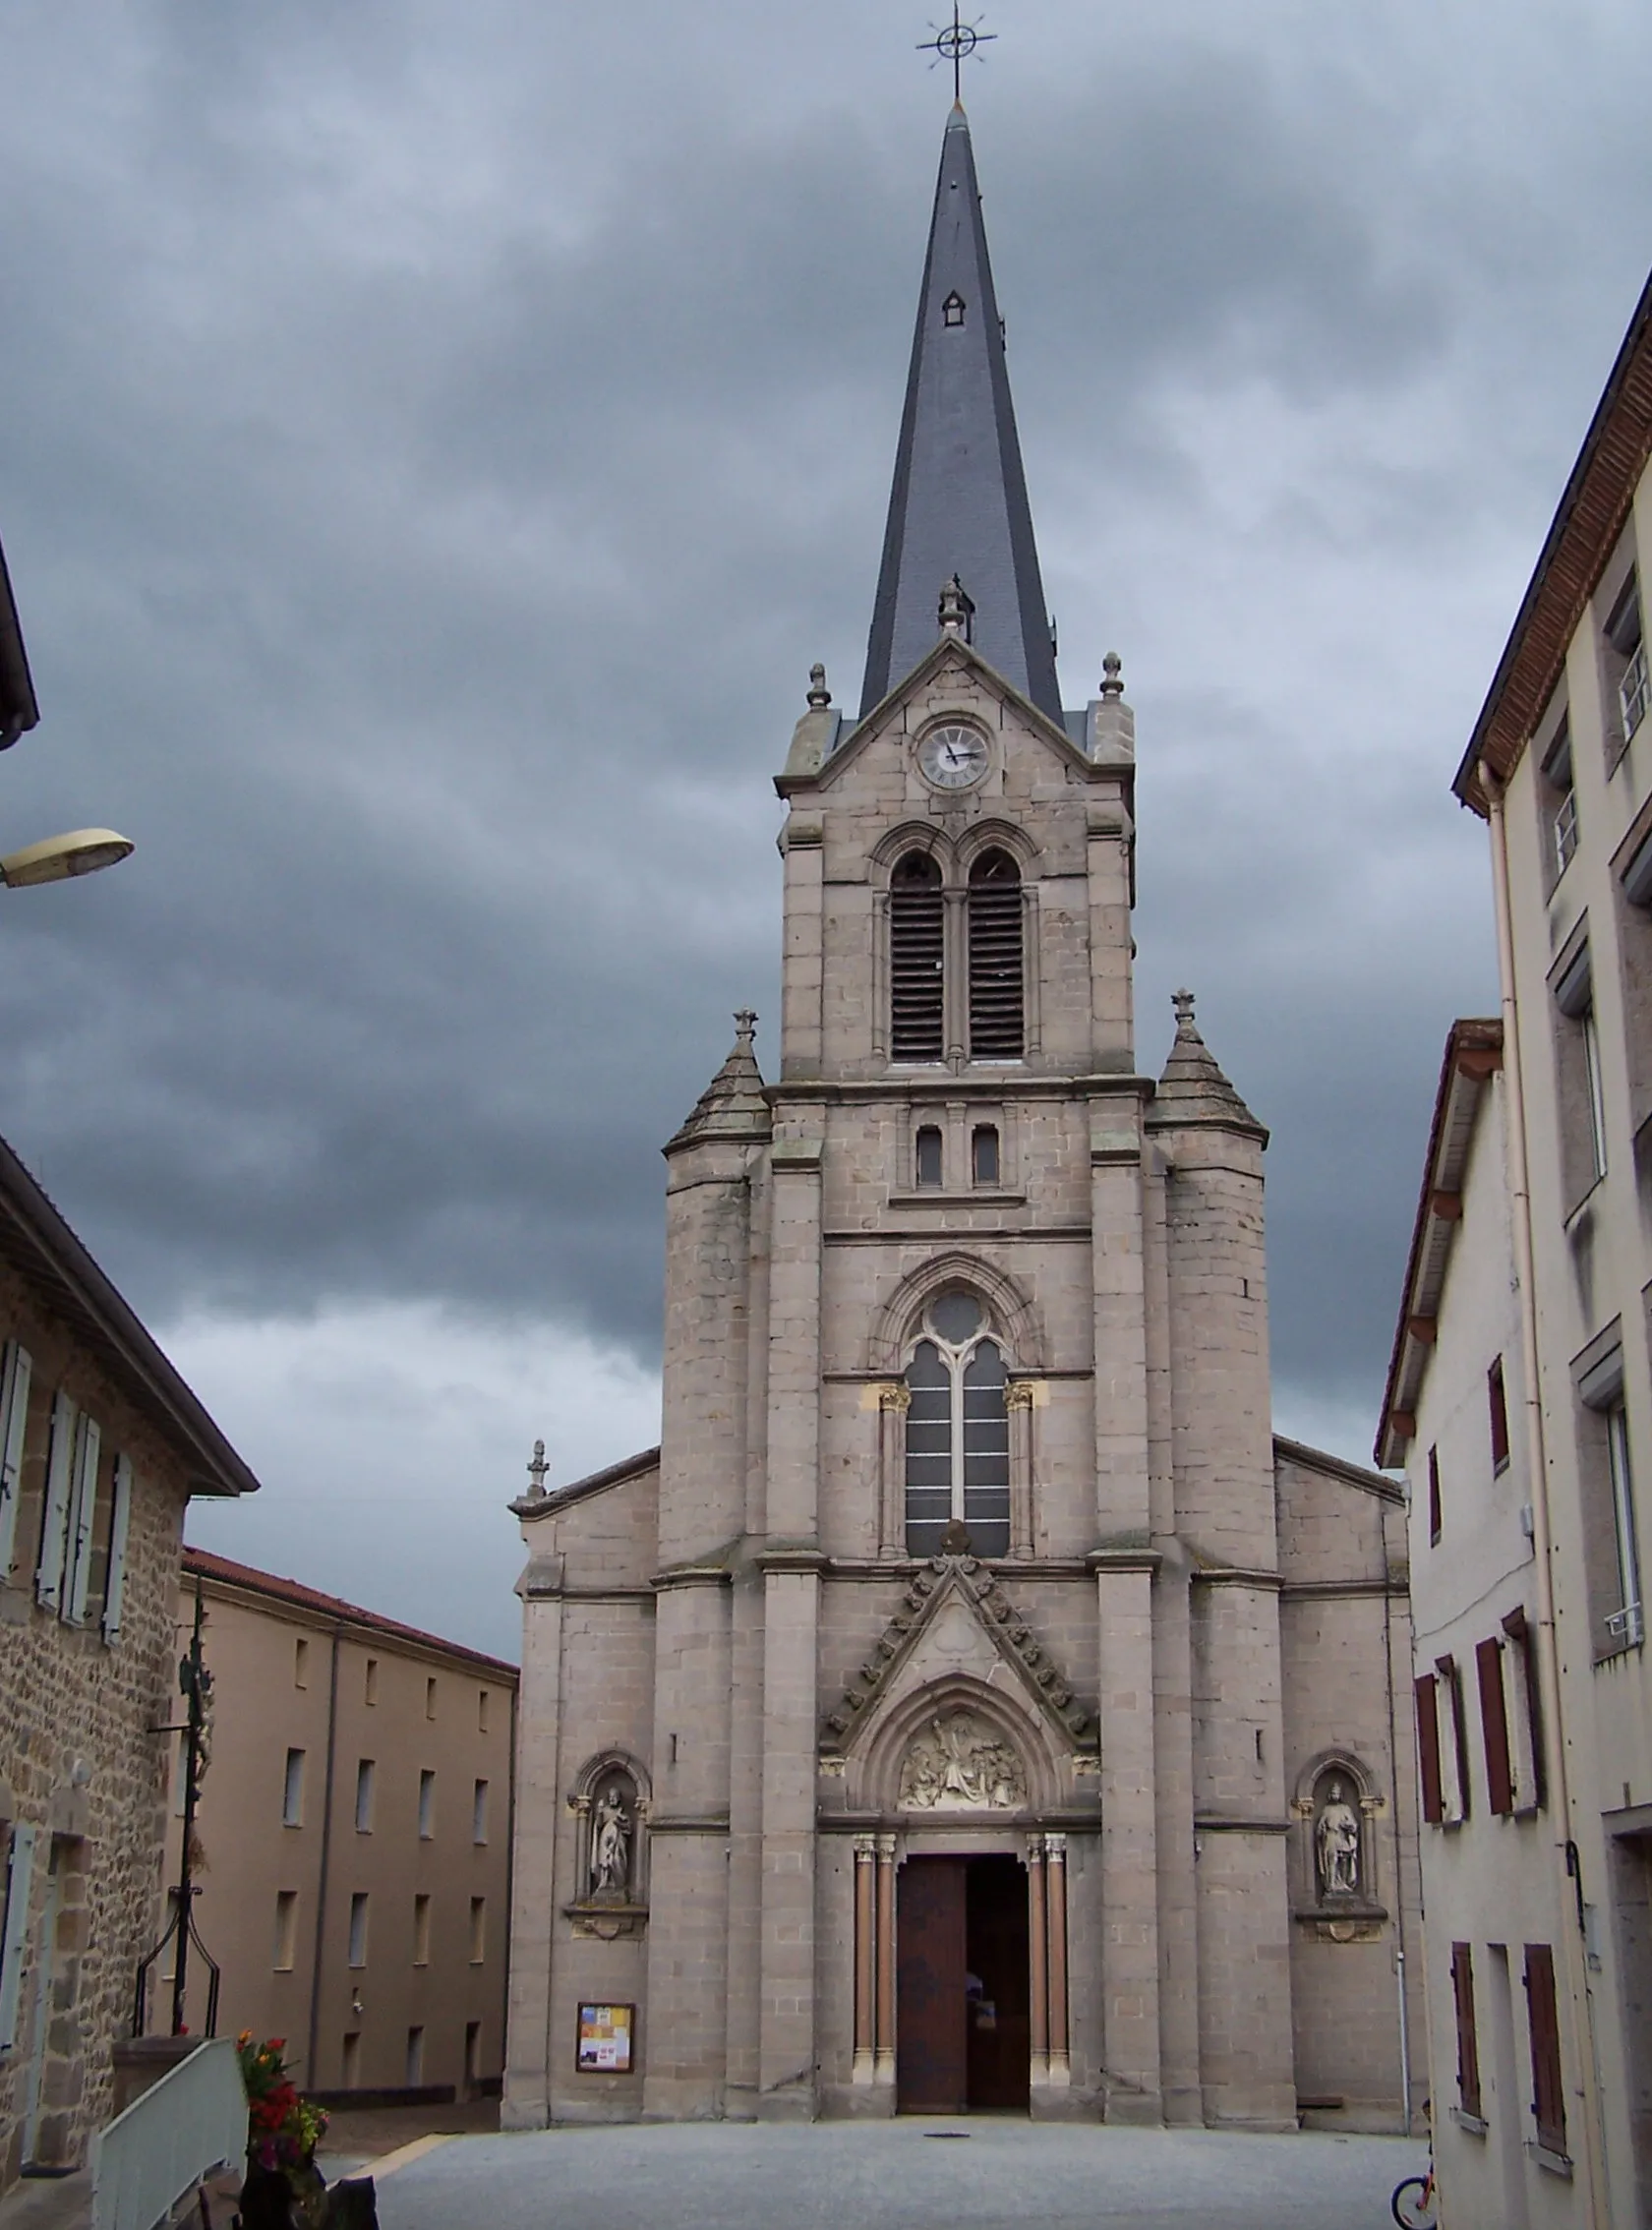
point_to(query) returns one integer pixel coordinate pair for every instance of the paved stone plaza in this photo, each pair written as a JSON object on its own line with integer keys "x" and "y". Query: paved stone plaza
{"x": 838, "y": 2176}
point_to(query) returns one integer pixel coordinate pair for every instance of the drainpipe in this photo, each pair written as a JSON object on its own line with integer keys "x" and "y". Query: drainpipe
{"x": 1548, "y": 1650}
{"x": 322, "y": 1872}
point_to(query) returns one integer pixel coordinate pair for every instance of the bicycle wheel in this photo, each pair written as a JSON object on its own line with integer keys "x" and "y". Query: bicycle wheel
{"x": 1413, "y": 2204}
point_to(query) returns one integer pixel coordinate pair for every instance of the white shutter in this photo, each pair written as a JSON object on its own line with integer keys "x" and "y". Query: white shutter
{"x": 120, "y": 1518}
{"x": 48, "y": 1578}
{"x": 13, "y": 1941}
{"x": 14, "y": 1419}
{"x": 82, "y": 1519}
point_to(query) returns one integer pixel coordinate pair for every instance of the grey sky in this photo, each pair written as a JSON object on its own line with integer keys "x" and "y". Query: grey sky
{"x": 438, "y": 440}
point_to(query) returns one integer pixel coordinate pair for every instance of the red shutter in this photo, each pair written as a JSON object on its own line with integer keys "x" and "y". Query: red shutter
{"x": 1469, "y": 2042}
{"x": 1428, "y": 1749}
{"x": 1494, "y": 1725}
{"x": 1543, "y": 2021}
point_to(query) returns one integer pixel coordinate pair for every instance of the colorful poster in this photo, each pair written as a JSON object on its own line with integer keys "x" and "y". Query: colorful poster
{"x": 605, "y": 2039}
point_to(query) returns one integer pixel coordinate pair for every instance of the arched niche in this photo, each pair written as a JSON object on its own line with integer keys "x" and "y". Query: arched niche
{"x": 1334, "y": 1859}
{"x": 610, "y": 1805}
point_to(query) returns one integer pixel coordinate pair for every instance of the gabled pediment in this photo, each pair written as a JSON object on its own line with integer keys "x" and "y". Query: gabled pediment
{"x": 956, "y": 1624}
{"x": 951, "y": 655}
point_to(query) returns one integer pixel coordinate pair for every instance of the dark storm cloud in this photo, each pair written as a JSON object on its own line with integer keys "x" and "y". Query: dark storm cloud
{"x": 438, "y": 440}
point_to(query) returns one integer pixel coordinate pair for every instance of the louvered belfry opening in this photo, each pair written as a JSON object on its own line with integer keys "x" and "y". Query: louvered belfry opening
{"x": 997, "y": 1026}
{"x": 917, "y": 960}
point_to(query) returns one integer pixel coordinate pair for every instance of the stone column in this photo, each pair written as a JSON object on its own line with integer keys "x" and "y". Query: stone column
{"x": 894, "y": 1400}
{"x": 1018, "y": 1400}
{"x": 1055, "y": 1915}
{"x": 865, "y": 1958}
{"x": 1039, "y": 1949}
{"x": 1131, "y": 1973}
{"x": 885, "y": 2063}
{"x": 786, "y": 2084}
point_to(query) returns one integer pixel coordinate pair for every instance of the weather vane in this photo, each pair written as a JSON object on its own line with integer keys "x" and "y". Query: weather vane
{"x": 955, "y": 43}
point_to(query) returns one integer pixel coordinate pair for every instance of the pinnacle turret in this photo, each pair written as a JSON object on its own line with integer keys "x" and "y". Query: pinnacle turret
{"x": 1193, "y": 1087}
{"x": 732, "y": 1104}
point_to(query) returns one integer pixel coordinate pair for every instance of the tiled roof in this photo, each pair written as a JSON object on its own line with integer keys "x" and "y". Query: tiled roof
{"x": 333, "y": 1608}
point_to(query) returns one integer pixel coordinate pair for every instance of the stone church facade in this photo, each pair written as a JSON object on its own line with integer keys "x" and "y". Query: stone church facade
{"x": 970, "y": 1703}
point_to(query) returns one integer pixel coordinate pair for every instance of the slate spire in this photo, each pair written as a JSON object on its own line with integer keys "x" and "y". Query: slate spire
{"x": 958, "y": 503}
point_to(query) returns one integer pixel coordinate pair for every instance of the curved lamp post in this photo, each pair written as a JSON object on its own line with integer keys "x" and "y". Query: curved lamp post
{"x": 80, "y": 852}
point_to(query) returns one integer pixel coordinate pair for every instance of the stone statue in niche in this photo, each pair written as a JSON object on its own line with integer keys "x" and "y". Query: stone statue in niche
{"x": 1336, "y": 1845}
{"x": 611, "y": 1844}
{"x": 957, "y": 1765}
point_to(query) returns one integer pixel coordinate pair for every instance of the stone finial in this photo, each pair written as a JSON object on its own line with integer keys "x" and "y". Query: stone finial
{"x": 956, "y": 609}
{"x": 819, "y": 696}
{"x": 536, "y": 1472}
{"x": 1112, "y": 676}
{"x": 745, "y": 1017}
{"x": 1182, "y": 1001}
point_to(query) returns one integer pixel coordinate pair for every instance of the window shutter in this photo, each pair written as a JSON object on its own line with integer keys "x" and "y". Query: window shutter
{"x": 1469, "y": 2042}
{"x": 83, "y": 1514}
{"x": 1451, "y": 1672}
{"x": 49, "y": 1577}
{"x": 1494, "y": 1725}
{"x": 1428, "y": 1749}
{"x": 120, "y": 1518}
{"x": 1543, "y": 2023}
{"x": 1519, "y": 1636}
{"x": 14, "y": 1421}
{"x": 916, "y": 961}
{"x": 996, "y": 990}
{"x": 14, "y": 1940}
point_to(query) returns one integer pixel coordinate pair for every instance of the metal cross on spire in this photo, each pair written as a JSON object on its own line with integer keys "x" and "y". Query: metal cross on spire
{"x": 955, "y": 43}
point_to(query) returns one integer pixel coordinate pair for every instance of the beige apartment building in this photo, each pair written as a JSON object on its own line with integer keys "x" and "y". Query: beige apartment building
{"x": 1520, "y": 1403}
{"x": 101, "y": 1448}
{"x": 353, "y": 1837}
{"x": 970, "y": 1703}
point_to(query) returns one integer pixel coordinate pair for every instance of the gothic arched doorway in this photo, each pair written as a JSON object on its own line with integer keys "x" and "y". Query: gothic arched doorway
{"x": 963, "y": 1985}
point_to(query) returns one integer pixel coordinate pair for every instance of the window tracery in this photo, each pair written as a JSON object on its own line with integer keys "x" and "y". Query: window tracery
{"x": 957, "y": 1429}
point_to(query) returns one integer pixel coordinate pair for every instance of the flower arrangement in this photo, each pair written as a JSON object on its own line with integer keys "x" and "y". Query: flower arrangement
{"x": 283, "y": 2129}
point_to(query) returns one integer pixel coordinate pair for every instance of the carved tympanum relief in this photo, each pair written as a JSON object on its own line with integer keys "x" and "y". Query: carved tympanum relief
{"x": 958, "y": 1764}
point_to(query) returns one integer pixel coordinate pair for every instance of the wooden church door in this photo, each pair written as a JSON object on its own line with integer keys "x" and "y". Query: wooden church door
{"x": 931, "y": 2051}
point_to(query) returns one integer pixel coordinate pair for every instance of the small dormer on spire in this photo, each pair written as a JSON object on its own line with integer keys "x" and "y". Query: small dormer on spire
{"x": 1192, "y": 1090}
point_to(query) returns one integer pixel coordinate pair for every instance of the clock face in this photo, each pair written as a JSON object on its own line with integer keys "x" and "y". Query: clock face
{"x": 954, "y": 757}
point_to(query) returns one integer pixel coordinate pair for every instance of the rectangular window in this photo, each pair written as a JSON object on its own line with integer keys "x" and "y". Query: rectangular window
{"x": 1578, "y": 1076}
{"x": 427, "y": 1805}
{"x": 292, "y": 1791}
{"x": 927, "y": 1155}
{"x": 430, "y": 1699}
{"x": 369, "y": 1683}
{"x": 1624, "y": 655}
{"x": 1496, "y": 1403}
{"x": 1469, "y": 2042}
{"x": 1543, "y": 2026}
{"x": 364, "y": 1797}
{"x": 984, "y": 1155}
{"x": 1527, "y": 1722}
{"x": 1610, "y": 1548}
{"x": 352, "y": 2060}
{"x": 358, "y": 1928}
{"x": 120, "y": 1519}
{"x": 301, "y": 1661}
{"x": 479, "y": 1814}
{"x": 54, "y": 1522}
{"x": 478, "y": 1930}
{"x": 286, "y": 1929}
{"x": 996, "y": 962}
{"x": 421, "y": 1930}
{"x": 1428, "y": 1749}
{"x": 480, "y": 1711}
{"x": 1628, "y": 1623}
{"x": 1434, "y": 1512}
{"x": 1453, "y": 1742}
{"x": 1558, "y": 807}
{"x": 414, "y": 2058}
{"x": 14, "y": 1929}
{"x": 916, "y": 961}
{"x": 1494, "y": 1725}
{"x": 1633, "y": 907}
{"x": 81, "y": 1529}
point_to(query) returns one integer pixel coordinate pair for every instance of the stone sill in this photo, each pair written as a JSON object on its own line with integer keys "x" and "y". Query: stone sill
{"x": 1557, "y": 2163}
{"x": 1472, "y": 2123}
{"x": 949, "y": 1197}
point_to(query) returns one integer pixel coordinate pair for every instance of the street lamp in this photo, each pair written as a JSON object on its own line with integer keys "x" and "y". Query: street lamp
{"x": 82, "y": 850}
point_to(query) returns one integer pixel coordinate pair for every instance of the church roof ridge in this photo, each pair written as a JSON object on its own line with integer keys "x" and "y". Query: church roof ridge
{"x": 1193, "y": 1087}
{"x": 732, "y": 1104}
{"x": 958, "y": 505}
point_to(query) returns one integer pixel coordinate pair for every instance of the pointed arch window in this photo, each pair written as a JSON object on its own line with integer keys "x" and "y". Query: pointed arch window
{"x": 952, "y": 308}
{"x": 957, "y": 1431}
{"x": 997, "y": 1021}
{"x": 917, "y": 960}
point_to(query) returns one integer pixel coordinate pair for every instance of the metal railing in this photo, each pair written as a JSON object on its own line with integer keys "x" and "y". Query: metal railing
{"x": 191, "y": 2121}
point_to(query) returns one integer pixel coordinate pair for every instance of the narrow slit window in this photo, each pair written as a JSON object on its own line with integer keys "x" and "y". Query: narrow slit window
{"x": 1437, "y": 1511}
{"x": 426, "y": 1805}
{"x": 358, "y": 1928}
{"x": 928, "y": 1144}
{"x": 997, "y": 1029}
{"x": 421, "y": 1929}
{"x": 365, "y": 1774}
{"x": 984, "y": 1155}
{"x": 1496, "y": 1403}
{"x": 292, "y": 1791}
{"x": 917, "y": 960}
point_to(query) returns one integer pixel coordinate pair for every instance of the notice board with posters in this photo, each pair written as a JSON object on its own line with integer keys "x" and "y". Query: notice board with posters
{"x": 605, "y": 2039}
